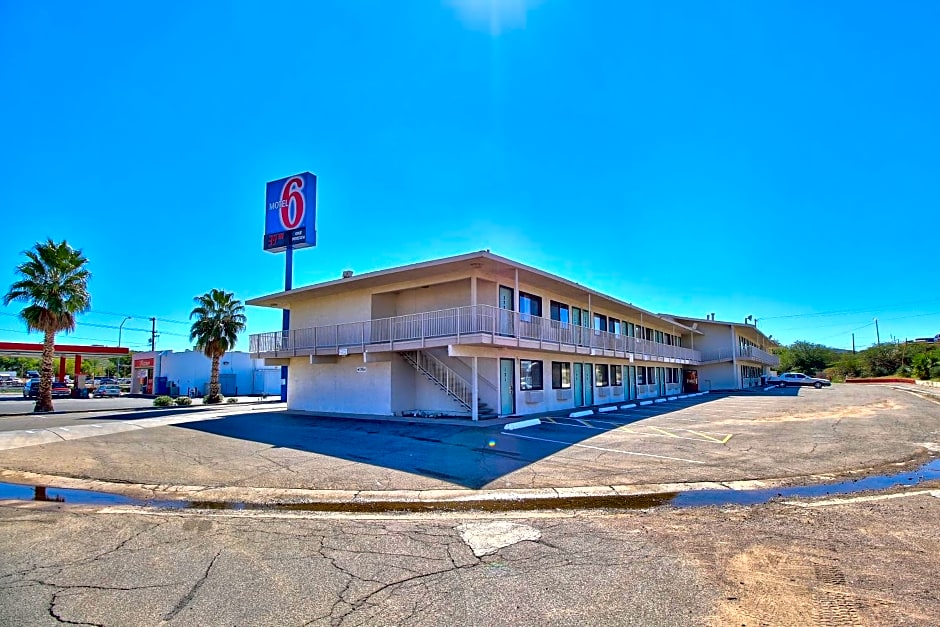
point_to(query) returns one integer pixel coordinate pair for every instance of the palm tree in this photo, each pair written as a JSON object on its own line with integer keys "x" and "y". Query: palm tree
{"x": 219, "y": 320}
{"x": 54, "y": 280}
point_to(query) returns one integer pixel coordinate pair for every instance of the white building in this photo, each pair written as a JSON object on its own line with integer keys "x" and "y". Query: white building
{"x": 482, "y": 335}
{"x": 168, "y": 372}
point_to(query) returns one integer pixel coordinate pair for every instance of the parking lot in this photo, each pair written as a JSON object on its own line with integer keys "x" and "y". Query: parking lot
{"x": 779, "y": 436}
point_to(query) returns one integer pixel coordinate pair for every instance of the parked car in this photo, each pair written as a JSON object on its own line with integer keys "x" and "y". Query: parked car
{"x": 31, "y": 389}
{"x": 107, "y": 391}
{"x": 799, "y": 379}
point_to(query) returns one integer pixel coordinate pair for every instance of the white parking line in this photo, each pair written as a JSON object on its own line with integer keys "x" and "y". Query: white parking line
{"x": 622, "y": 428}
{"x": 607, "y": 450}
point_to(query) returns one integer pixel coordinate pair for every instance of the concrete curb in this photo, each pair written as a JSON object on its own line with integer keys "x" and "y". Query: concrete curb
{"x": 522, "y": 424}
{"x": 208, "y": 497}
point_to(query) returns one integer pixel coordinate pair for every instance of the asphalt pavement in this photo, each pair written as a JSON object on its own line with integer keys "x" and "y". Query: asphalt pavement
{"x": 781, "y": 437}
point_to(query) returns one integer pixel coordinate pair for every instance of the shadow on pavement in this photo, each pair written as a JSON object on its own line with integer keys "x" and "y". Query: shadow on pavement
{"x": 467, "y": 456}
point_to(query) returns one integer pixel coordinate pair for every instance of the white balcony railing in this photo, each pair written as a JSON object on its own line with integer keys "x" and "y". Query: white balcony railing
{"x": 751, "y": 353}
{"x": 465, "y": 325}
{"x": 755, "y": 354}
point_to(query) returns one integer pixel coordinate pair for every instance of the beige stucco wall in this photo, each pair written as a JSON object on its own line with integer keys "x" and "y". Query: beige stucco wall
{"x": 339, "y": 387}
{"x": 717, "y": 376}
{"x": 351, "y": 306}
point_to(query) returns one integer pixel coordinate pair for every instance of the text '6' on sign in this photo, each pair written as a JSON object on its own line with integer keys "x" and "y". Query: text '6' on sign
{"x": 290, "y": 213}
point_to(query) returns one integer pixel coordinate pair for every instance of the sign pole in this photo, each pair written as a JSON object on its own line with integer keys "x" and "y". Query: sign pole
{"x": 285, "y": 326}
{"x": 289, "y": 223}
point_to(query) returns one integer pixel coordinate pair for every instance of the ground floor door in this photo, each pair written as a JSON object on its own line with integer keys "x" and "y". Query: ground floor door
{"x": 587, "y": 374}
{"x": 507, "y": 387}
{"x": 690, "y": 381}
{"x": 661, "y": 381}
{"x": 631, "y": 382}
{"x": 577, "y": 387}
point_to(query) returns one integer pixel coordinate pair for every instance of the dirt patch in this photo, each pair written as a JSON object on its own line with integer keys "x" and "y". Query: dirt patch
{"x": 858, "y": 563}
{"x": 784, "y": 588}
{"x": 856, "y": 411}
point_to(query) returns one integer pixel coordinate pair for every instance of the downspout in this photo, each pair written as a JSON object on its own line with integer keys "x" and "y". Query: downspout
{"x": 734, "y": 359}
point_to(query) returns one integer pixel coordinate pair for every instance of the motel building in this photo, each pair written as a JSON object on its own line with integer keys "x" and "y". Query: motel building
{"x": 481, "y": 336}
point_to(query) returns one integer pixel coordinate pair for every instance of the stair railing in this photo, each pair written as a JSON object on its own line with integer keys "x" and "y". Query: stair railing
{"x": 456, "y": 386}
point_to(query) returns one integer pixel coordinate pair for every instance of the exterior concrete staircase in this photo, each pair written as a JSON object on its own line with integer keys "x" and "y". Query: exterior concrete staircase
{"x": 451, "y": 383}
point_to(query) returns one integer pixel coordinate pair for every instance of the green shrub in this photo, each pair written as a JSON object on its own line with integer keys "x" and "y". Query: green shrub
{"x": 208, "y": 400}
{"x": 162, "y": 401}
{"x": 231, "y": 399}
{"x": 184, "y": 401}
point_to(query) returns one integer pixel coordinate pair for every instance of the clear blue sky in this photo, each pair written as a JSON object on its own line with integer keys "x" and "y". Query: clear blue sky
{"x": 775, "y": 159}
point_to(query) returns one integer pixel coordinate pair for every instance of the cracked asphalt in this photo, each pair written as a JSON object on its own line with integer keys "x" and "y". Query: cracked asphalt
{"x": 844, "y": 563}
{"x": 868, "y": 559}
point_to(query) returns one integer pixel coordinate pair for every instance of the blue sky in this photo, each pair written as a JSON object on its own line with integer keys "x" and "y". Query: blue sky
{"x": 777, "y": 160}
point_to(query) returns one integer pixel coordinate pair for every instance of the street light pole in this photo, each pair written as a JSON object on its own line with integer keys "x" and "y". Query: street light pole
{"x": 120, "y": 329}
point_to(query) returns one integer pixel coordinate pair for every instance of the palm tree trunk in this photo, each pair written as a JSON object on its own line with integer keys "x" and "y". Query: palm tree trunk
{"x": 44, "y": 398}
{"x": 214, "y": 396}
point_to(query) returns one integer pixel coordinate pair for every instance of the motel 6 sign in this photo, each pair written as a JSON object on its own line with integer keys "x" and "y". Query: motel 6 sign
{"x": 290, "y": 213}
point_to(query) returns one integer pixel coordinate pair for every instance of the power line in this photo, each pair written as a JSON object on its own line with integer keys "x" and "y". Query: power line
{"x": 75, "y": 337}
{"x": 109, "y": 326}
{"x": 850, "y": 311}
{"x": 125, "y": 315}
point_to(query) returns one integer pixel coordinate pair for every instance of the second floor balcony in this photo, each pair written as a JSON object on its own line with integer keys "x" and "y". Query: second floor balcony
{"x": 471, "y": 325}
{"x": 747, "y": 353}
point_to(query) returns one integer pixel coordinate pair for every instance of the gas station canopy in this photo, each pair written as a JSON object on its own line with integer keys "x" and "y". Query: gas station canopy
{"x": 26, "y": 349}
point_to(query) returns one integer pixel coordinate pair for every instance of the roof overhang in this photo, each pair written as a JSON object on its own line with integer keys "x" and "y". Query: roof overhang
{"x": 696, "y": 321}
{"x": 484, "y": 263}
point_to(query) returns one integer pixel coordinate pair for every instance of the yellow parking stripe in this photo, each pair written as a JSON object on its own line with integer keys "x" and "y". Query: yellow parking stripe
{"x": 584, "y": 422}
{"x": 707, "y": 437}
{"x": 664, "y": 432}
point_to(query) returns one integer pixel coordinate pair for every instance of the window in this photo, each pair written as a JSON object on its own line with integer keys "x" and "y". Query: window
{"x": 601, "y": 375}
{"x": 659, "y": 337}
{"x": 616, "y": 375}
{"x": 613, "y": 325}
{"x": 672, "y": 375}
{"x": 641, "y": 375}
{"x": 530, "y": 375}
{"x": 631, "y": 329}
{"x": 529, "y": 304}
{"x": 561, "y": 375}
{"x": 649, "y": 333}
{"x": 559, "y": 311}
{"x": 651, "y": 375}
{"x": 600, "y": 322}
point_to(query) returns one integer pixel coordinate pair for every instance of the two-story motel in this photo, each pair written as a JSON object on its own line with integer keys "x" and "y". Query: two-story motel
{"x": 480, "y": 335}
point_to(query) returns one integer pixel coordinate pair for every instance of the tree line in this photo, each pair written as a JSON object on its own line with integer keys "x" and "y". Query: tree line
{"x": 919, "y": 360}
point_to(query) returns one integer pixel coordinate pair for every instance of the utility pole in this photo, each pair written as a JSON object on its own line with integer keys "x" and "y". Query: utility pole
{"x": 153, "y": 334}
{"x": 853, "y": 343}
{"x": 877, "y": 335}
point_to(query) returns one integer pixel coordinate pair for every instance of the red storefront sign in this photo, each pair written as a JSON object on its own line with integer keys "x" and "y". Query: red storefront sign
{"x": 144, "y": 363}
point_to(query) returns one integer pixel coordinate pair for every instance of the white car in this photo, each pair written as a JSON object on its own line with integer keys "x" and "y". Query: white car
{"x": 800, "y": 379}
{"x": 107, "y": 391}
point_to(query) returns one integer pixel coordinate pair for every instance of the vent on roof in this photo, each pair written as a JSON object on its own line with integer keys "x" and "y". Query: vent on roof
{"x": 347, "y": 274}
